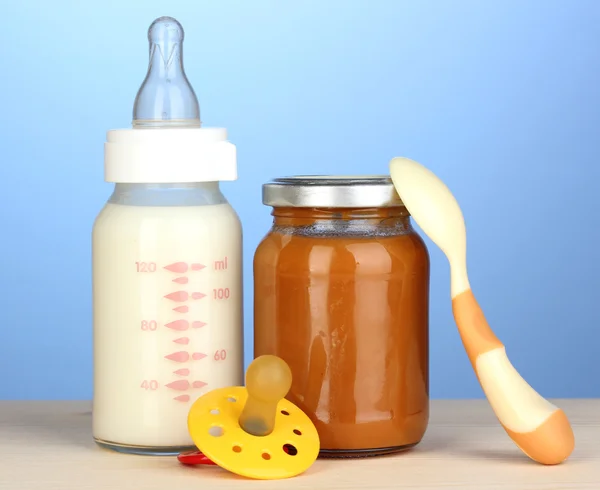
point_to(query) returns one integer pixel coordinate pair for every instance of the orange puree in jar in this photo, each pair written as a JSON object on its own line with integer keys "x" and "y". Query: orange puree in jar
{"x": 341, "y": 294}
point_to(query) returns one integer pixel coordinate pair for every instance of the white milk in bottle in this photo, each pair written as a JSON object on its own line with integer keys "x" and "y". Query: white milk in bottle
{"x": 167, "y": 265}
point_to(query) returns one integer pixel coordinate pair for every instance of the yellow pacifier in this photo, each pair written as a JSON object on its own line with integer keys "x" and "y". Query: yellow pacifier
{"x": 253, "y": 431}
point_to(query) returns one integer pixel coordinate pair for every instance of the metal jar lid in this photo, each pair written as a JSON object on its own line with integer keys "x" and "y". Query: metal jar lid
{"x": 331, "y": 191}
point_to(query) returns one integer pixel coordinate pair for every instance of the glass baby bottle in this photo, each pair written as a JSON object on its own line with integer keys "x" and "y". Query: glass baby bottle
{"x": 167, "y": 264}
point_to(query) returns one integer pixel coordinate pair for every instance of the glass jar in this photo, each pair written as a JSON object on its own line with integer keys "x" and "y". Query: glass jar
{"x": 341, "y": 293}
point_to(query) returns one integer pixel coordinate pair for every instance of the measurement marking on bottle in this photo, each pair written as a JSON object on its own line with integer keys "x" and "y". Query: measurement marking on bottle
{"x": 220, "y": 355}
{"x": 181, "y": 280}
{"x": 221, "y": 293}
{"x": 180, "y": 356}
{"x": 182, "y": 372}
{"x": 178, "y": 296}
{"x": 221, "y": 265}
{"x": 182, "y": 340}
{"x": 198, "y": 324}
{"x": 182, "y": 267}
{"x": 182, "y": 398}
{"x": 149, "y": 325}
{"x": 182, "y": 309}
{"x": 178, "y": 325}
{"x": 196, "y": 356}
{"x": 179, "y": 385}
{"x": 145, "y": 266}
{"x": 198, "y": 295}
{"x": 178, "y": 267}
{"x": 199, "y": 384}
{"x": 149, "y": 384}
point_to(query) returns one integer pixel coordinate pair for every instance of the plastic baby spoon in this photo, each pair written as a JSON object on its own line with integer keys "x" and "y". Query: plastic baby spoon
{"x": 253, "y": 431}
{"x": 540, "y": 429}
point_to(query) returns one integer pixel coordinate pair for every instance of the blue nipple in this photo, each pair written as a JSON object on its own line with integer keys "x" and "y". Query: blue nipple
{"x": 166, "y": 98}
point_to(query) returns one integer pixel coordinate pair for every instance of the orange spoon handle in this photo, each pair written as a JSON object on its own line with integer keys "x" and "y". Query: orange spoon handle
{"x": 540, "y": 429}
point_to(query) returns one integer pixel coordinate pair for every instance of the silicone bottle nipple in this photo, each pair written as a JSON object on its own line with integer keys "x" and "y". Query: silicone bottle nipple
{"x": 166, "y": 98}
{"x": 268, "y": 380}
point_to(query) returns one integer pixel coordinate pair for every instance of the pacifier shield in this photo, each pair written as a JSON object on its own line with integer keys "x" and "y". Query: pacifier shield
{"x": 292, "y": 447}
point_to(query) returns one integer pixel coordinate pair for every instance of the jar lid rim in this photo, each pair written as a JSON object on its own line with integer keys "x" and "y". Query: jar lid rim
{"x": 331, "y": 191}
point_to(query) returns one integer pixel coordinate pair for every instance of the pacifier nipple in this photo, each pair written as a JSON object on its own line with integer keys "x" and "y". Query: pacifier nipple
{"x": 268, "y": 380}
{"x": 166, "y": 97}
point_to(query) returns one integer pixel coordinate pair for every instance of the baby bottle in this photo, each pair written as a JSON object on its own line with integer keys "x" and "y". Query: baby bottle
{"x": 167, "y": 264}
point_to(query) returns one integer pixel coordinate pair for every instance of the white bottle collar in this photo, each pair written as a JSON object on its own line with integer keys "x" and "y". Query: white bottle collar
{"x": 169, "y": 155}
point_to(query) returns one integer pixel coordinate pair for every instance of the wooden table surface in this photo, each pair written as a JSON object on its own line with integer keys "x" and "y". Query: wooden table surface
{"x": 48, "y": 445}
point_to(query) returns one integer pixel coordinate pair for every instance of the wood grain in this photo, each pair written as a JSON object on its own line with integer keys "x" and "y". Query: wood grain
{"x": 49, "y": 445}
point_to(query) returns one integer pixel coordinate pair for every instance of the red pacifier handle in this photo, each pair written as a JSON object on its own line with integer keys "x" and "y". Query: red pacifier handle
{"x": 194, "y": 458}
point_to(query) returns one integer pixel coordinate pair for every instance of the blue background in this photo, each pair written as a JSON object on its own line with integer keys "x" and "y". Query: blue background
{"x": 500, "y": 98}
